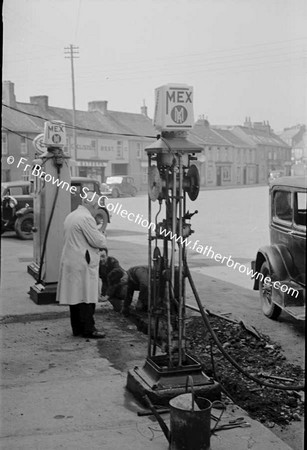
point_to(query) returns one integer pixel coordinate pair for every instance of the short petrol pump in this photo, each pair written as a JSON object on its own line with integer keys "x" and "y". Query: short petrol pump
{"x": 51, "y": 177}
{"x": 172, "y": 175}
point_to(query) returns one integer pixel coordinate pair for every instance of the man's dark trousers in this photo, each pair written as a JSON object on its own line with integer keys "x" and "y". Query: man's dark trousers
{"x": 82, "y": 319}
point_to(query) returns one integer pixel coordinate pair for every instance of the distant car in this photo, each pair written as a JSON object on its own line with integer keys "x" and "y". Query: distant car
{"x": 283, "y": 261}
{"x": 105, "y": 190}
{"x": 275, "y": 174}
{"x": 121, "y": 185}
{"x": 17, "y": 205}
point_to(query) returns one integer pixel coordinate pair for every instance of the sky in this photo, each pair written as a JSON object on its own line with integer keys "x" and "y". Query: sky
{"x": 242, "y": 57}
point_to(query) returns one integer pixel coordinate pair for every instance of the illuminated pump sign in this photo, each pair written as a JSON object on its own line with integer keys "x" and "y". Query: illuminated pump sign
{"x": 54, "y": 134}
{"x": 174, "y": 107}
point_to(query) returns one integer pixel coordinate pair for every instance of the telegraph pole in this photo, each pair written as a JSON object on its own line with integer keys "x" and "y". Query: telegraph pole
{"x": 73, "y": 52}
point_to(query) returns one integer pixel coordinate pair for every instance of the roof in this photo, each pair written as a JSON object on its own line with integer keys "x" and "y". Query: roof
{"x": 206, "y": 135}
{"x": 297, "y": 182}
{"x": 261, "y": 137}
{"x": 231, "y": 137}
{"x": 113, "y": 122}
{"x": 13, "y": 120}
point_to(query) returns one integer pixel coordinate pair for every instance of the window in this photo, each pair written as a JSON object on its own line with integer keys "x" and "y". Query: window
{"x": 138, "y": 151}
{"x": 145, "y": 175}
{"x": 119, "y": 150}
{"x": 282, "y": 208}
{"x": 4, "y": 144}
{"x": 300, "y": 201}
{"x": 26, "y": 174}
{"x": 23, "y": 146}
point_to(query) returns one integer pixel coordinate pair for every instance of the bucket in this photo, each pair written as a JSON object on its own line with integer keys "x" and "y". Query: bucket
{"x": 189, "y": 425}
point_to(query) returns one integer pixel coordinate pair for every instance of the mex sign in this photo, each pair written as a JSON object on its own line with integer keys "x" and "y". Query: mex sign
{"x": 174, "y": 107}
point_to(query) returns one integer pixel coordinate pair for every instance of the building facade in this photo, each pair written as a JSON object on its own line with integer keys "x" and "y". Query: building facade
{"x": 113, "y": 143}
{"x": 107, "y": 142}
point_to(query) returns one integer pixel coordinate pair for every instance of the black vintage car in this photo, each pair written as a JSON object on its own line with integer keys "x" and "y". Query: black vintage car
{"x": 279, "y": 268}
{"x": 17, "y": 205}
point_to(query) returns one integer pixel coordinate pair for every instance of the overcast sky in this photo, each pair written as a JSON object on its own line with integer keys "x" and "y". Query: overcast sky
{"x": 243, "y": 57}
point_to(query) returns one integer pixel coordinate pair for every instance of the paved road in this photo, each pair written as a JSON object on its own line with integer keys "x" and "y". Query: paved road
{"x": 232, "y": 222}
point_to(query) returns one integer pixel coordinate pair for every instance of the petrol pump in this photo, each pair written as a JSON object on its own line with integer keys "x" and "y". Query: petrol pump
{"x": 51, "y": 179}
{"x": 172, "y": 176}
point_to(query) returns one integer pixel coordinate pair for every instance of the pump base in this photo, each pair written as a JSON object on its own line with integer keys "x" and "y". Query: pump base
{"x": 161, "y": 383}
{"x": 43, "y": 295}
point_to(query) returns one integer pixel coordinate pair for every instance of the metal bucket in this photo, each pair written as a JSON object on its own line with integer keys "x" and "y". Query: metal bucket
{"x": 189, "y": 424}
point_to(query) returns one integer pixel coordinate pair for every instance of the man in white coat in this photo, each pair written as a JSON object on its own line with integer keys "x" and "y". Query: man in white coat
{"x": 78, "y": 276}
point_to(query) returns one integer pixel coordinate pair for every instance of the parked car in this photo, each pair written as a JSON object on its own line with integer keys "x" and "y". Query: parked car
{"x": 275, "y": 174}
{"x": 283, "y": 261}
{"x": 121, "y": 185}
{"x": 17, "y": 205}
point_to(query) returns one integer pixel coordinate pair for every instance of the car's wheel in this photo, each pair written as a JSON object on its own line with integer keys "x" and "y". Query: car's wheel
{"x": 268, "y": 307}
{"x": 102, "y": 218}
{"x": 23, "y": 226}
{"x": 115, "y": 193}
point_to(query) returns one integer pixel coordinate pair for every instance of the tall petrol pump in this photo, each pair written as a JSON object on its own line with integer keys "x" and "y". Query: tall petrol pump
{"x": 172, "y": 176}
{"x": 51, "y": 177}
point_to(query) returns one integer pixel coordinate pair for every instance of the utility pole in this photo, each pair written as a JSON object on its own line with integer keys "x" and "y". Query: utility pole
{"x": 73, "y": 52}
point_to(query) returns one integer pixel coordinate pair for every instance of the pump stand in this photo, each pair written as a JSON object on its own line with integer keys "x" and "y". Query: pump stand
{"x": 51, "y": 206}
{"x": 171, "y": 177}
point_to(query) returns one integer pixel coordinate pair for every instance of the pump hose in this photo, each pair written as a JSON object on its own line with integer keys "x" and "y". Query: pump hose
{"x": 220, "y": 347}
{"x": 47, "y": 233}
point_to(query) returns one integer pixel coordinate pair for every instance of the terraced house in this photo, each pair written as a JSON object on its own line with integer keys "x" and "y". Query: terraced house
{"x": 113, "y": 143}
{"x": 108, "y": 142}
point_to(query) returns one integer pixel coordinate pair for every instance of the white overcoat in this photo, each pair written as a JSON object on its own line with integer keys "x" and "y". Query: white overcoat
{"x": 78, "y": 278}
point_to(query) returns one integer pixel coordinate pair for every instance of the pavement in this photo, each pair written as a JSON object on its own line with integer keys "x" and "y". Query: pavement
{"x": 61, "y": 392}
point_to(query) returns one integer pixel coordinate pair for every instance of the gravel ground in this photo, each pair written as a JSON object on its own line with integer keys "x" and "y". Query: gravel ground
{"x": 274, "y": 408}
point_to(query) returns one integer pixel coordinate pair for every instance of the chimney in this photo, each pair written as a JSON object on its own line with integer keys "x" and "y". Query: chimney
{"x": 100, "y": 106}
{"x": 8, "y": 93}
{"x": 202, "y": 121}
{"x": 40, "y": 100}
{"x": 248, "y": 122}
{"x": 144, "y": 109}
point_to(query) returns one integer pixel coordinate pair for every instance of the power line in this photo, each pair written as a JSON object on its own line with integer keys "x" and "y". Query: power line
{"x": 18, "y": 134}
{"x": 67, "y": 125}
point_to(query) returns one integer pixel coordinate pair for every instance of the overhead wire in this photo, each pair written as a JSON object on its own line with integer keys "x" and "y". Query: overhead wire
{"x": 68, "y": 125}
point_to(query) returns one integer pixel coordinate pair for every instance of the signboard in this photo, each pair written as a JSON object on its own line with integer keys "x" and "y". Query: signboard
{"x": 38, "y": 143}
{"x": 174, "y": 107}
{"x": 54, "y": 134}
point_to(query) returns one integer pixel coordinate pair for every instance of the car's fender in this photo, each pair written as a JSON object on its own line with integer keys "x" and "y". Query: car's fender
{"x": 106, "y": 210}
{"x": 280, "y": 261}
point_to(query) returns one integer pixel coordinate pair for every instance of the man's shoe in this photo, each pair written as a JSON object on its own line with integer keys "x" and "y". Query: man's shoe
{"x": 95, "y": 335}
{"x": 126, "y": 311}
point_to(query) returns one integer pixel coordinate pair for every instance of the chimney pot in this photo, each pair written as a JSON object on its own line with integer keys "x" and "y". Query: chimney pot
{"x": 98, "y": 105}
{"x": 40, "y": 100}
